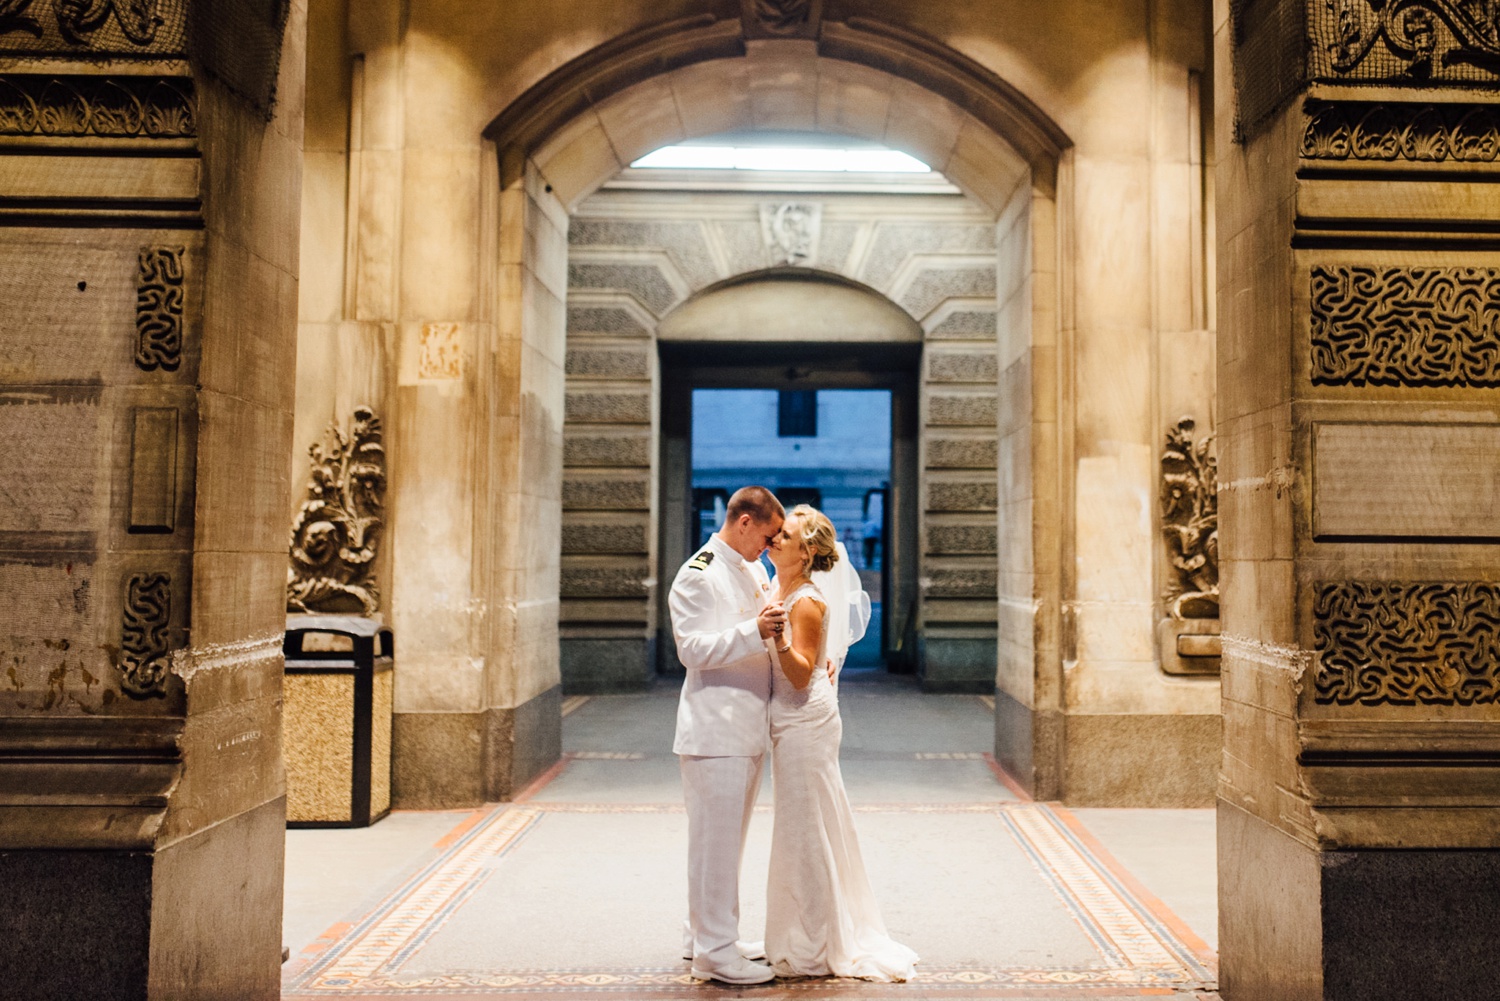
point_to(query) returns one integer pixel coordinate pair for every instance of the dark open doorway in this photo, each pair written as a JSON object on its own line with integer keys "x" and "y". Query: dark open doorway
{"x": 832, "y": 426}
{"x": 828, "y": 448}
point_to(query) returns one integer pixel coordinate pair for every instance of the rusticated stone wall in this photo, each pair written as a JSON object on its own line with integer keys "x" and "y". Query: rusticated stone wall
{"x": 636, "y": 255}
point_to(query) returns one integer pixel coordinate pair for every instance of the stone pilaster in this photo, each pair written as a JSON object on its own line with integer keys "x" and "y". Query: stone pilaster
{"x": 152, "y": 157}
{"x": 1357, "y": 371}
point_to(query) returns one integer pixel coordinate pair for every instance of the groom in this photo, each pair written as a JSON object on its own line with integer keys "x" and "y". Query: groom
{"x": 722, "y": 619}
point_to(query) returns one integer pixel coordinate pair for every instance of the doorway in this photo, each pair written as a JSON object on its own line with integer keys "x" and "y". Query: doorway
{"x": 835, "y": 426}
{"x": 827, "y": 448}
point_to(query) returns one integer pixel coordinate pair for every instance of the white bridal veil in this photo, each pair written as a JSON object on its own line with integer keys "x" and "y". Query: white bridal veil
{"x": 848, "y": 606}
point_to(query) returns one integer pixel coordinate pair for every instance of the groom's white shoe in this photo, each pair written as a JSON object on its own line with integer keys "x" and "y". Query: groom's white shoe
{"x": 738, "y": 971}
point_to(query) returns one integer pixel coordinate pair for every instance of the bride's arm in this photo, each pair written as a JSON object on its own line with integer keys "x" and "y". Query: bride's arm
{"x": 799, "y": 657}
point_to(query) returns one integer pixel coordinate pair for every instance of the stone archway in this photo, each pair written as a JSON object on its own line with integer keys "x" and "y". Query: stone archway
{"x": 559, "y": 143}
{"x": 622, "y": 428}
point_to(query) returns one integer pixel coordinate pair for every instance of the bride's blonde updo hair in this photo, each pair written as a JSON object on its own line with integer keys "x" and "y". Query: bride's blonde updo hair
{"x": 819, "y": 537}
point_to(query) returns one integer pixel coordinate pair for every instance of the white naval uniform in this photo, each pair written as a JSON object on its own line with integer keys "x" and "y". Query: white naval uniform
{"x": 722, "y": 732}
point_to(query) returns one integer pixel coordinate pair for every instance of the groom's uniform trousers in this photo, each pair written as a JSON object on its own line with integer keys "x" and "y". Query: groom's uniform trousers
{"x": 722, "y": 732}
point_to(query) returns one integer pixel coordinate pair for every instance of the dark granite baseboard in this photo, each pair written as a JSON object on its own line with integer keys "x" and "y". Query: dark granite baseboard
{"x": 1028, "y": 746}
{"x": 607, "y": 666}
{"x": 437, "y": 760}
{"x": 1410, "y": 925}
{"x": 75, "y": 924}
{"x": 957, "y": 664}
{"x": 200, "y": 918}
{"x": 452, "y": 760}
{"x": 536, "y": 743}
{"x": 1140, "y": 760}
{"x": 1300, "y": 924}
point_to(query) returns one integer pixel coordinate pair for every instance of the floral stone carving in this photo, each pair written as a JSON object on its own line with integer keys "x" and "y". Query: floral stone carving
{"x": 337, "y": 529}
{"x": 110, "y": 107}
{"x": 1190, "y": 522}
{"x": 78, "y": 19}
{"x": 1438, "y": 40}
{"x": 1407, "y": 643}
{"x": 1385, "y": 132}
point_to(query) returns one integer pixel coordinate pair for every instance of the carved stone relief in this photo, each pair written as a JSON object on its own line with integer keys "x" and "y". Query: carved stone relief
{"x": 144, "y": 641}
{"x": 781, "y": 18}
{"x": 1422, "y": 133}
{"x": 112, "y": 107}
{"x": 1420, "y": 40}
{"x": 158, "y": 309}
{"x": 791, "y": 231}
{"x": 68, "y": 27}
{"x": 79, "y": 19}
{"x": 1393, "y": 326}
{"x": 1190, "y": 522}
{"x": 337, "y": 530}
{"x": 1404, "y": 643}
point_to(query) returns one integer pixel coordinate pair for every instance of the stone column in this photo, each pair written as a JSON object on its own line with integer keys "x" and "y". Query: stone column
{"x": 1358, "y": 287}
{"x": 148, "y": 218}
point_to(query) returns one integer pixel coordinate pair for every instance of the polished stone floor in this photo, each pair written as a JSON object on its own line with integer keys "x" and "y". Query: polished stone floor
{"x": 578, "y": 888}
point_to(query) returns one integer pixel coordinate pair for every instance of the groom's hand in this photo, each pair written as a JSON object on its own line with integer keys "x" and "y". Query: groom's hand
{"x": 771, "y": 620}
{"x": 833, "y": 672}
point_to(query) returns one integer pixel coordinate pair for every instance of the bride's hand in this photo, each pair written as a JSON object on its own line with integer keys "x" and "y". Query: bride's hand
{"x": 833, "y": 673}
{"x": 771, "y": 621}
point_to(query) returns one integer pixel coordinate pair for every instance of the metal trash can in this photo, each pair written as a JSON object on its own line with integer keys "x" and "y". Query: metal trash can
{"x": 336, "y": 722}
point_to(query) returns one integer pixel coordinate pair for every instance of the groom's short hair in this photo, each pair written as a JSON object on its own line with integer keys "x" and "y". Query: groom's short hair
{"x": 758, "y": 502}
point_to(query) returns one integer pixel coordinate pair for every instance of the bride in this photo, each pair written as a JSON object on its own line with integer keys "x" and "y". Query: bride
{"x": 821, "y": 915}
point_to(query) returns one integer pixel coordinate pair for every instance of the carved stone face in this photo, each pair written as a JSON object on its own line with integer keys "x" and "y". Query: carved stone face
{"x": 320, "y": 541}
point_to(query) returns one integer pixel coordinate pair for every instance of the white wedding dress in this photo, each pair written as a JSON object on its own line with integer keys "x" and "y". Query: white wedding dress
{"x": 821, "y": 915}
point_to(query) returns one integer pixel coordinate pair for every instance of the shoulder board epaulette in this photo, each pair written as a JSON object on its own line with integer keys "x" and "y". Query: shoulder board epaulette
{"x": 702, "y": 560}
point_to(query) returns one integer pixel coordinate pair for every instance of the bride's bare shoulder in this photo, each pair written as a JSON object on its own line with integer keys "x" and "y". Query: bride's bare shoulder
{"x": 810, "y": 596}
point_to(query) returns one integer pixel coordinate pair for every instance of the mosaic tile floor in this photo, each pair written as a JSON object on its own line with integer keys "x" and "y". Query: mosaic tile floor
{"x": 577, "y": 888}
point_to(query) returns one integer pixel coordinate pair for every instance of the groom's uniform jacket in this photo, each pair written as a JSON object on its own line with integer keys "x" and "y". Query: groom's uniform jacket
{"x": 714, "y": 603}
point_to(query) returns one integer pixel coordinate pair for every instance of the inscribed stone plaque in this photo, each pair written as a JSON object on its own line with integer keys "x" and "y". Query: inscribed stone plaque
{"x": 1406, "y": 481}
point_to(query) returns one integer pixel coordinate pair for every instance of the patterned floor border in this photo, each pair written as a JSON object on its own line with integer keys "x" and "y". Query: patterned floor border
{"x": 1144, "y": 950}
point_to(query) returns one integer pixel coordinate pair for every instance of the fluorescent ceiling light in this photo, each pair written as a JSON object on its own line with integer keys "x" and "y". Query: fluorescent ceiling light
{"x": 794, "y": 158}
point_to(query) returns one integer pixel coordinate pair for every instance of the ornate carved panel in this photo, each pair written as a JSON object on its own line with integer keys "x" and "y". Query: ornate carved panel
{"x": 94, "y": 27}
{"x": 158, "y": 309}
{"x": 1190, "y": 521}
{"x": 144, "y": 635}
{"x": 337, "y": 530}
{"x": 1400, "y": 643}
{"x": 112, "y": 107}
{"x": 1394, "y": 326}
{"x": 78, "y": 20}
{"x": 1421, "y": 133}
{"x": 1454, "y": 41}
